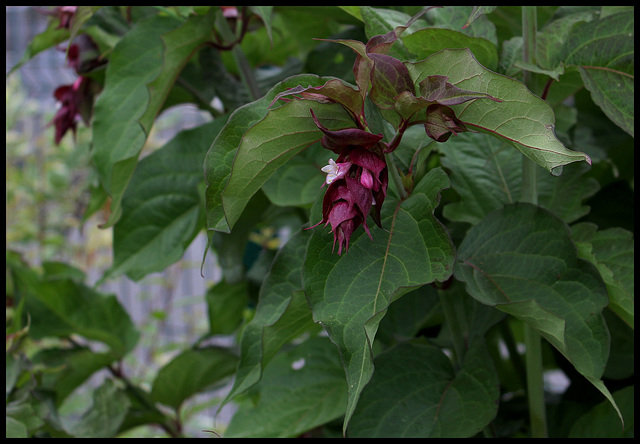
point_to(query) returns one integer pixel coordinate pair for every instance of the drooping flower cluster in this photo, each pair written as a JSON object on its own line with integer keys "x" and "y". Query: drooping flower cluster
{"x": 70, "y": 98}
{"x": 357, "y": 182}
{"x": 76, "y": 100}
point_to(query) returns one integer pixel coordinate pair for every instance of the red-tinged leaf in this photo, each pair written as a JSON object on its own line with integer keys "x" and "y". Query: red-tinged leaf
{"x": 389, "y": 78}
{"x": 438, "y": 89}
{"x": 334, "y": 91}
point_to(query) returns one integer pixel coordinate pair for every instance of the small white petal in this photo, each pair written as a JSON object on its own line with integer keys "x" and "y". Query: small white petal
{"x": 332, "y": 171}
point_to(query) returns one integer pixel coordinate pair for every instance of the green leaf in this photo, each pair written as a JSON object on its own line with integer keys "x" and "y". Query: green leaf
{"x": 162, "y": 210}
{"x": 428, "y": 41}
{"x": 22, "y": 418}
{"x": 378, "y": 21}
{"x": 225, "y": 305}
{"x": 477, "y": 12}
{"x": 281, "y": 315}
{"x": 141, "y": 71}
{"x": 257, "y": 141}
{"x": 74, "y": 367}
{"x": 416, "y": 393}
{"x": 14, "y": 428}
{"x": 612, "y": 252}
{"x": 551, "y": 40}
{"x": 521, "y": 119}
{"x": 521, "y": 260}
{"x": 103, "y": 418}
{"x": 191, "y": 372}
{"x": 601, "y": 421}
{"x": 48, "y": 38}
{"x": 487, "y": 174}
{"x": 603, "y": 51}
{"x": 298, "y": 182}
{"x": 301, "y": 389}
{"x": 62, "y": 307}
{"x": 349, "y": 294}
{"x": 460, "y": 18}
{"x": 264, "y": 12}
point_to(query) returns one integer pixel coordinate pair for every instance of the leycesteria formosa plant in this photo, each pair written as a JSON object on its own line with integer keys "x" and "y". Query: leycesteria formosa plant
{"x": 447, "y": 93}
{"x": 357, "y": 182}
{"x": 385, "y": 241}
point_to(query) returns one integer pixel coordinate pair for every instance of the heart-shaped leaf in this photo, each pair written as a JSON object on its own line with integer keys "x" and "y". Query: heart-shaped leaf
{"x": 487, "y": 174}
{"x": 521, "y": 260}
{"x": 415, "y": 392}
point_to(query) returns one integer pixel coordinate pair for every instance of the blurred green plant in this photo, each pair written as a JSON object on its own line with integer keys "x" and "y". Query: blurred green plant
{"x": 47, "y": 185}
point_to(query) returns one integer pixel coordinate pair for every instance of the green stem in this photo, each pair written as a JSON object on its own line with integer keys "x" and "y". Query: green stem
{"x": 535, "y": 383}
{"x": 246, "y": 73}
{"x": 533, "y": 341}
{"x": 395, "y": 176}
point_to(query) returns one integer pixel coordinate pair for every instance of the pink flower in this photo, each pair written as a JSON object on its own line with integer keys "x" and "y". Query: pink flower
{"x": 357, "y": 182}
{"x": 72, "y": 98}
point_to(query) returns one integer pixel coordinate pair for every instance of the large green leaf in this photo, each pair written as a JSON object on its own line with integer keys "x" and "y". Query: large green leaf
{"x": 302, "y": 388}
{"x": 487, "y": 174}
{"x": 428, "y": 41}
{"x": 603, "y": 51}
{"x": 349, "y": 294}
{"x": 521, "y": 119}
{"x": 141, "y": 71}
{"x": 255, "y": 142}
{"x": 521, "y": 260}
{"x": 162, "y": 210}
{"x": 190, "y": 372}
{"x": 416, "y": 393}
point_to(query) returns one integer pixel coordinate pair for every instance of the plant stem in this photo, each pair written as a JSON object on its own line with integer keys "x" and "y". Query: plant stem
{"x": 395, "y": 176}
{"x": 535, "y": 383}
{"x": 246, "y": 73}
{"x": 533, "y": 341}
